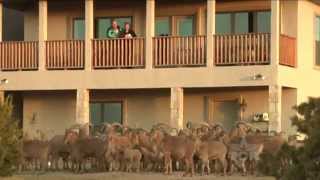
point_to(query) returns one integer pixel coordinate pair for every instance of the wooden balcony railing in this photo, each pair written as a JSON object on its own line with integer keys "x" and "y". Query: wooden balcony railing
{"x": 176, "y": 51}
{"x": 65, "y": 54}
{"x": 242, "y": 49}
{"x": 118, "y": 53}
{"x": 16, "y": 56}
{"x": 288, "y": 51}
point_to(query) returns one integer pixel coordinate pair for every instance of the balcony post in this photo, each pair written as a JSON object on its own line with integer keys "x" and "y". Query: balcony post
{"x": 176, "y": 108}
{"x": 275, "y": 32}
{"x": 275, "y": 104}
{"x": 150, "y": 23}
{"x": 82, "y": 108}
{"x": 211, "y": 28}
{"x": 89, "y": 34}
{"x": 43, "y": 32}
{"x": 1, "y": 19}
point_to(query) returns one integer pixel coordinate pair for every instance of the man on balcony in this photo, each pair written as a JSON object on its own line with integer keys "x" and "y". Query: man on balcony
{"x": 114, "y": 31}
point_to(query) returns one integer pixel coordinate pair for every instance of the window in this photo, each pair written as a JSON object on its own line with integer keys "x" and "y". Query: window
{"x": 317, "y": 40}
{"x": 78, "y": 29}
{"x": 243, "y": 22}
{"x": 185, "y": 26}
{"x": 163, "y": 27}
{"x": 105, "y": 112}
{"x": 103, "y": 24}
{"x": 263, "y": 20}
{"x": 223, "y": 23}
{"x": 181, "y": 26}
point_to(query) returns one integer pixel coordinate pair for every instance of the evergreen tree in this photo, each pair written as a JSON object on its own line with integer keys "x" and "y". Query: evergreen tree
{"x": 303, "y": 163}
{"x": 10, "y": 136}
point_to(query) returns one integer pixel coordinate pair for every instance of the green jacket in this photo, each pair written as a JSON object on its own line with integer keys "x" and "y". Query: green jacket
{"x": 112, "y": 33}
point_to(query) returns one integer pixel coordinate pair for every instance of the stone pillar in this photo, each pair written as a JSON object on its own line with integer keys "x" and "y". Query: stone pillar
{"x": 82, "y": 107}
{"x": 43, "y": 32}
{"x": 1, "y": 20}
{"x": 150, "y": 23}
{"x": 89, "y": 32}
{"x": 275, "y": 31}
{"x": 275, "y": 104}
{"x": 176, "y": 108}
{"x": 211, "y": 29}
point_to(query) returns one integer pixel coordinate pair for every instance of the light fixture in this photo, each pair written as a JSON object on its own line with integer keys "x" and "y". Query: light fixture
{"x": 258, "y": 77}
{"x": 4, "y": 81}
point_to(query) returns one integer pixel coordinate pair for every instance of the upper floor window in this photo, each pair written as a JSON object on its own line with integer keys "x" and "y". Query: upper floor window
{"x": 103, "y": 24}
{"x": 78, "y": 29}
{"x": 185, "y": 25}
{"x": 243, "y": 22}
{"x": 180, "y": 26}
{"x": 163, "y": 26}
{"x": 317, "y": 40}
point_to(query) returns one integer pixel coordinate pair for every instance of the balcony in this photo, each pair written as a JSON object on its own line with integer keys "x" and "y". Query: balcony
{"x": 168, "y": 52}
{"x": 242, "y": 49}
{"x": 65, "y": 54}
{"x": 288, "y": 51}
{"x": 18, "y": 56}
{"x": 179, "y": 51}
{"x": 118, "y": 53}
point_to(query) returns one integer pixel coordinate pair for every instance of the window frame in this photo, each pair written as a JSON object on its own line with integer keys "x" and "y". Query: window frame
{"x": 96, "y": 19}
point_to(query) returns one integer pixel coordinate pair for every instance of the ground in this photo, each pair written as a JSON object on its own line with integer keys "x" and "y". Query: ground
{"x": 125, "y": 176}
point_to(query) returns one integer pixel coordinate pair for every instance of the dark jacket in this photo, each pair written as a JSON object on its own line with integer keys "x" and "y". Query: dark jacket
{"x": 124, "y": 33}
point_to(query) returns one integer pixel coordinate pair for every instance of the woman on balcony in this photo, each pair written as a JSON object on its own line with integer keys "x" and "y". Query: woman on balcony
{"x": 128, "y": 32}
{"x": 114, "y": 31}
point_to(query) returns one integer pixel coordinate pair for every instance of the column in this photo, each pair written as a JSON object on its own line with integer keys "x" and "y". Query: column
{"x": 176, "y": 108}
{"x": 275, "y": 32}
{"x": 211, "y": 29}
{"x": 275, "y": 104}
{"x": 1, "y": 19}
{"x": 82, "y": 108}
{"x": 43, "y": 32}
{"x": 150, "y": 23}
{"x": 2, "y": 97}
{"x": 89, "y": 34}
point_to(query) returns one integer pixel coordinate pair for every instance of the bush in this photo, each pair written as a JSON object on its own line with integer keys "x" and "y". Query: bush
{"x": 297, "y": 164}
{"x": 10, "y": 136}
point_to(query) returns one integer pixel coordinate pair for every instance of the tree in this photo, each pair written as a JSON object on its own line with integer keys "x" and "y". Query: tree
{"x": 303, "y": 163}
{"x": 10, "y": 139}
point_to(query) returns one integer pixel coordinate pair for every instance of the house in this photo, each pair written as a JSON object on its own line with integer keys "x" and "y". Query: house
{"x": 192, "y": 61}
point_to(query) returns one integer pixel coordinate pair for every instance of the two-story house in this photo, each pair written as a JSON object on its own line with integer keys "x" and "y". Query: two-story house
{"x": 192, "y": 61}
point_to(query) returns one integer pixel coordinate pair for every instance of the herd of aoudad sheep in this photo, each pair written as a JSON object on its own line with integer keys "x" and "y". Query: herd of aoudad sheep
{"x": 203, "y": 149}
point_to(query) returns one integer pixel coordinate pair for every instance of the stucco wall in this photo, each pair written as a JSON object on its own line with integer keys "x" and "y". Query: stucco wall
{"x": 49, "y": 112}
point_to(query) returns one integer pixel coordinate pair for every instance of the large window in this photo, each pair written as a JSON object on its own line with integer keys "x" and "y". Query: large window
{"x": 185, "y": 25}
{"x": 105, "y": 112}
{"x": 243, "y": 22}
{"x": 78, "y": 29}
{"x": 317, "y": 40}
{"x": 175, "y": 25}
{"x": 103, "y": 24}
{"x": 163, "y": 26}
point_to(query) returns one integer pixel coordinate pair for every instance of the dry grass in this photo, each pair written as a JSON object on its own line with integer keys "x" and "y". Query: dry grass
{"x": 124, "y": 176}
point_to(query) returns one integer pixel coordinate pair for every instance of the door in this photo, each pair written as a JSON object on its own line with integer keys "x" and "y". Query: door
{"x": 226, "y": 113}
